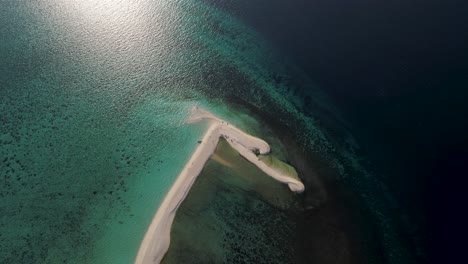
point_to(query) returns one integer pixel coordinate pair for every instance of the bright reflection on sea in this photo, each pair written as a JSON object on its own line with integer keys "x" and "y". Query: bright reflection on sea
{"x": 113, "y": 39}
{"x": 109, "y": 21}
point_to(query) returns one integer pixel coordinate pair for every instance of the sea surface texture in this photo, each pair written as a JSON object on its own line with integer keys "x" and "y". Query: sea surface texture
{"x": 93, "y": 99}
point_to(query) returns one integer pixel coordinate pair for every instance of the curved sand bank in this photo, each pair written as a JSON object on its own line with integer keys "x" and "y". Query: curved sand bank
{"x": 157, "y": 238}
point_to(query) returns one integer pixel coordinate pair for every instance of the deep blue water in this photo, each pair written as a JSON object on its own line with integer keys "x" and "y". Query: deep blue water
{"x": 398, "y": 71}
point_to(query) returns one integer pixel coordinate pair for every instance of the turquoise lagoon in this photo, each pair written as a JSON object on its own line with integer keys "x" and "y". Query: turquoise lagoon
{"x": 94, "y": 95}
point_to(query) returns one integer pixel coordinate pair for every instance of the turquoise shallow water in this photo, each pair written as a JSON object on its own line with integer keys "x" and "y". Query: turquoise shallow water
{"x": 89, "y": 144}
{"x": 93, "y": 99}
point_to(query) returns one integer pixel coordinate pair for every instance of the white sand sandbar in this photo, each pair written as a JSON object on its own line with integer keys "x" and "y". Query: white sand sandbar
{"x": 156, "y": 241}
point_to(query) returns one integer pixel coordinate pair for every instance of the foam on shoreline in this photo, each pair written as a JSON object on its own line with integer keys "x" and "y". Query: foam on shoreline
{"x": 157, "y": 238}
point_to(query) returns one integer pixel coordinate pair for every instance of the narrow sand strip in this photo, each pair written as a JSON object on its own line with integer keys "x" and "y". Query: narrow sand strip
{"x": 156, "y": 241}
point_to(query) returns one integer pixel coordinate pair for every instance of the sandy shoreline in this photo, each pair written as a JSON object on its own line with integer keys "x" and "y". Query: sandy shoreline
{"x": 157, "y": 238}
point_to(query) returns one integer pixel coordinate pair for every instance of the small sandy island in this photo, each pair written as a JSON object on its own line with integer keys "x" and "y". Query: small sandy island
{"x": 156, "y": 241}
